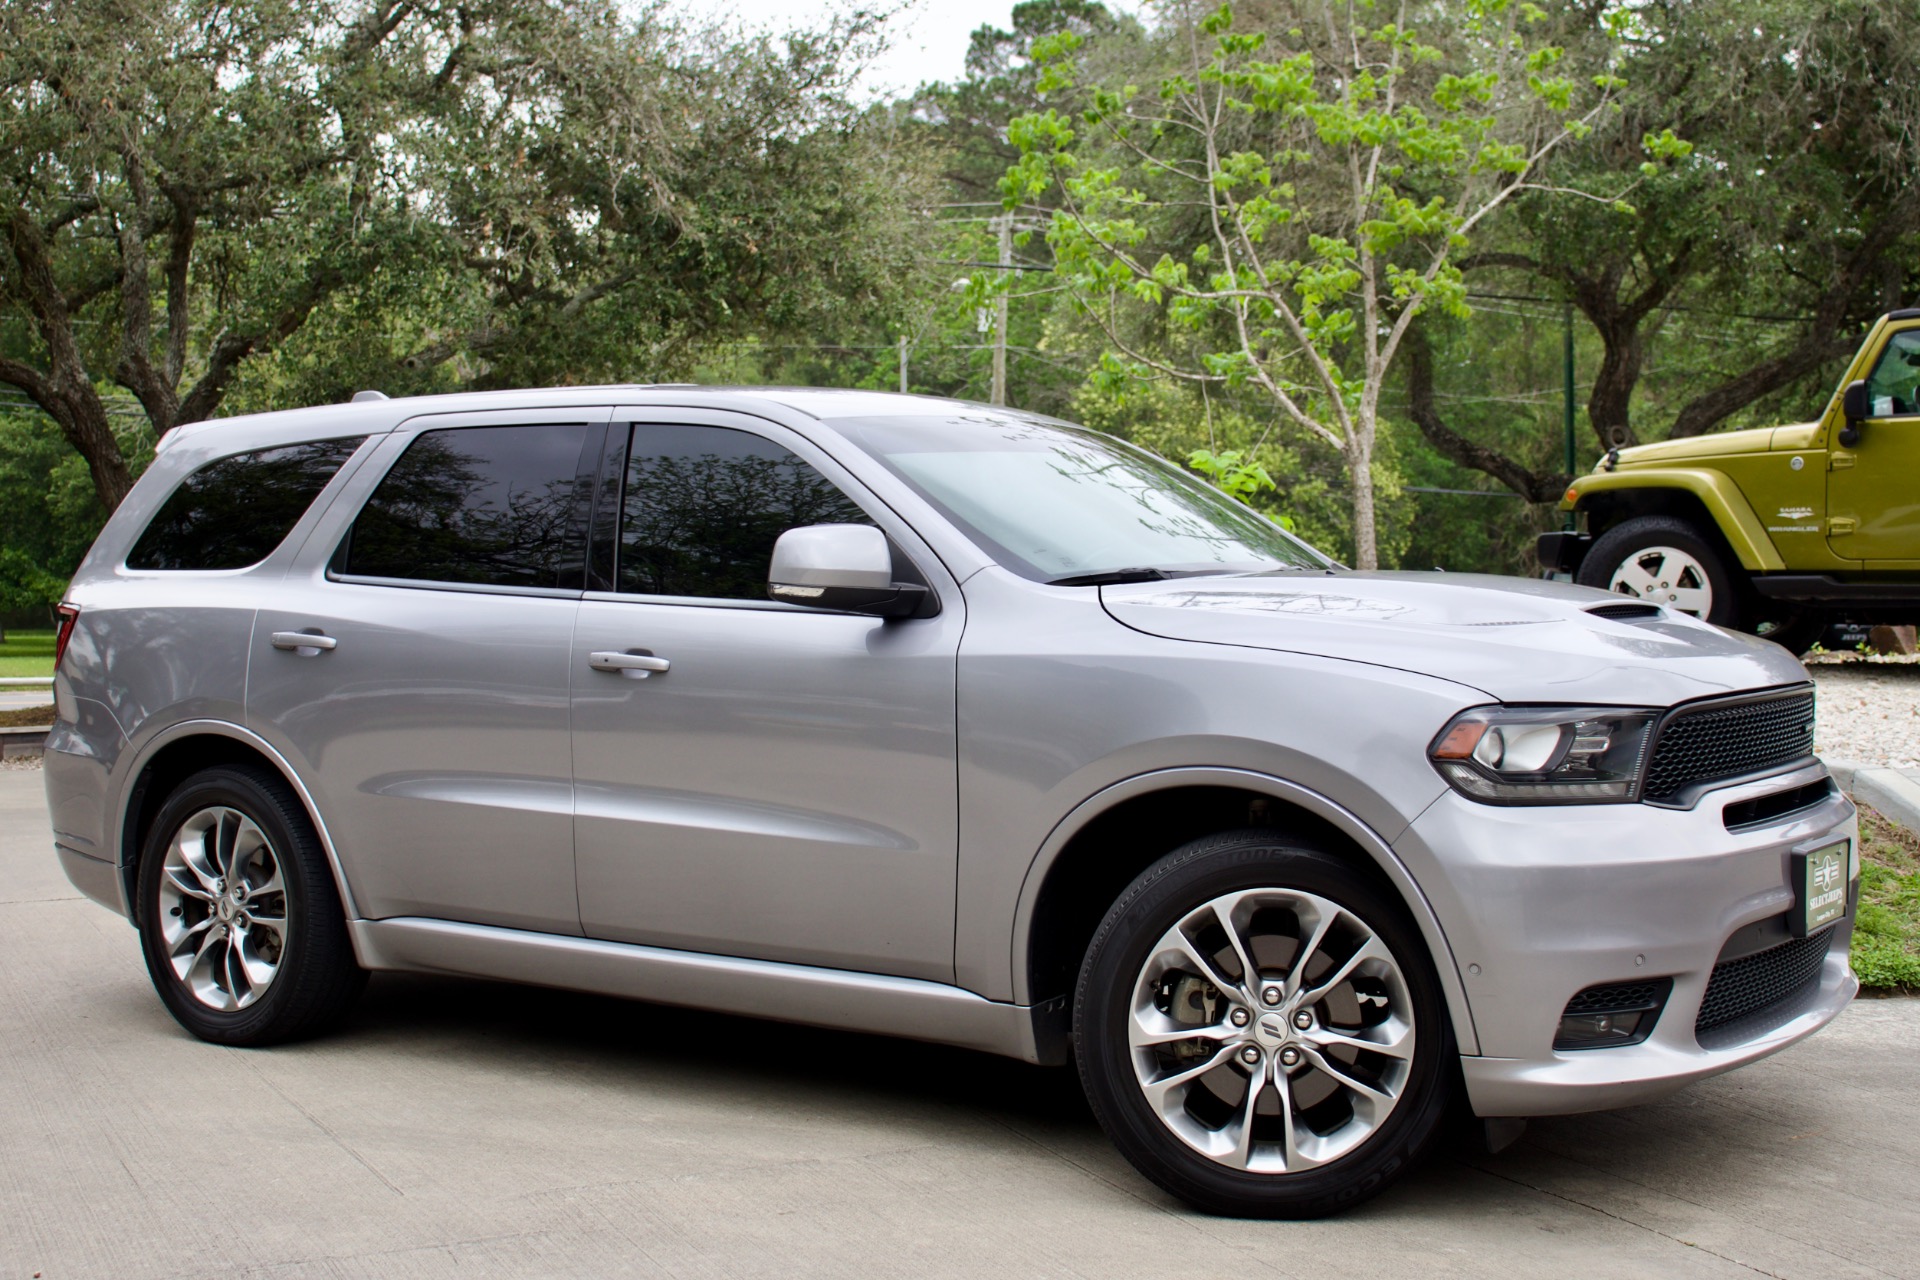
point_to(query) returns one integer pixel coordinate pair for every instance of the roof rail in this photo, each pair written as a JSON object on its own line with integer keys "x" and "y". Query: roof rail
{"x": 363, "y": 397}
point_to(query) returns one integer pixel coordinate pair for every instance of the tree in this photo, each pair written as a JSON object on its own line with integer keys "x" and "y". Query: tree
{"x": 1291, "y": 198}
{"x": 431, "y": 193}
{"x": 1755, "y": 260}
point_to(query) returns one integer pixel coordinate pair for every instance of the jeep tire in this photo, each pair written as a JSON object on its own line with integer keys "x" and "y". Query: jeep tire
{"x": 1667, "y": 561}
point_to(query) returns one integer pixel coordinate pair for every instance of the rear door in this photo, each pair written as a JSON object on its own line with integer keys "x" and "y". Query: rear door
{"x": 429, "y": 713}
{"x": 785, "y": 788}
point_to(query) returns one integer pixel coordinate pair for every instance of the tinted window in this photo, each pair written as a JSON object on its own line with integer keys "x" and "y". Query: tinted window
{"x": 492, "y": 506}
{"x": 704, "y": 506}
{"x": 234, "y": 512}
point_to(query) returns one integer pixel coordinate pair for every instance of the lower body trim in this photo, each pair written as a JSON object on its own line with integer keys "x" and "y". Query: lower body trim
{"x": 819, "y": 997}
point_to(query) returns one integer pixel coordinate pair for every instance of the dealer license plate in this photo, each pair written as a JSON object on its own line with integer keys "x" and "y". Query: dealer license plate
{"x": 1821, "y": 888}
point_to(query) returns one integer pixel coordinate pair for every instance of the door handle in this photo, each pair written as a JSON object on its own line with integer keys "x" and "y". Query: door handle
{"x": 305, "y": 643}
{"x": 638, "y": 665}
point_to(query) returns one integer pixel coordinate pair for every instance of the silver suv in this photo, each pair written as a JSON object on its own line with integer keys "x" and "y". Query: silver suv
{"x": 919, "y": 717}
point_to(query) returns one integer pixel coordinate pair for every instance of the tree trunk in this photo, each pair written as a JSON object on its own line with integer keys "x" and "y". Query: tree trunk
{"x": 1359, "y": 451}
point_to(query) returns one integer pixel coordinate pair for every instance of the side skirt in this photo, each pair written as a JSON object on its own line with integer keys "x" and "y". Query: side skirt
{"x": 817, "y": 997}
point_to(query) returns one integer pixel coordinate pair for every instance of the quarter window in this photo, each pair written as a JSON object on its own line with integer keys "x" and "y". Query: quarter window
{"x": 489, "y": 506}
{"x": 232, "y": 513}
{"x": 703, "y": 507}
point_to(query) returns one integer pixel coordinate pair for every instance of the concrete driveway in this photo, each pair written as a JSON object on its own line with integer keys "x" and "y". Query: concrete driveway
{"x": 473, "y": 1129}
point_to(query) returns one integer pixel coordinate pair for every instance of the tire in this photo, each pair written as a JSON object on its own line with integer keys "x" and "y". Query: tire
{"x": 1667, "y": 561}
{"x": 254, "y": 959}
{"x": 1191, "y": 1136}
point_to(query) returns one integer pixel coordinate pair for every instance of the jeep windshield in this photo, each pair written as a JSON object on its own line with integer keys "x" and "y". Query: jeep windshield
{"x": 1072, "y": 507}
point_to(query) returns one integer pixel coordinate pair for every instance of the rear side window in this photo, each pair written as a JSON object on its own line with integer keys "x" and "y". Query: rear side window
{"x": 232, "y": 513}
{"x": 489, "y": 506}
{"x": 704, "y": 506}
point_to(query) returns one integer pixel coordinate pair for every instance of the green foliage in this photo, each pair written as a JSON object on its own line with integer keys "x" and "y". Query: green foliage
{"x": 1300, "y": 202}
{"x": 1886, "y": 932}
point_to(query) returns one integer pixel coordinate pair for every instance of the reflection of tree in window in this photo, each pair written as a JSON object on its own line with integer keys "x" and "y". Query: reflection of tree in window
{"x": 487, "y": 505}
{"x": 234, "y": 512}
{"x": 704, "y": 523}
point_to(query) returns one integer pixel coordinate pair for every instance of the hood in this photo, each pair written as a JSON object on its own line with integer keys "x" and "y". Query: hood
{"x": 1514, "y": 639}
{"x": 1719, "y": 444}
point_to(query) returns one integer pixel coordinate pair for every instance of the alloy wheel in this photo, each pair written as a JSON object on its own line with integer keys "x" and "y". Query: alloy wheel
{"x": 1271, "y": 1030}
{"x": 223, "y": 908}
{"x": 1668, "y": 576}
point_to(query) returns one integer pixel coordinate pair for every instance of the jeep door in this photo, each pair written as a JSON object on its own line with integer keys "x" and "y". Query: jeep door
{"x": 414, "y": 667}
{"x": 782, "y": 786}
{"x": 1872, "y": 500}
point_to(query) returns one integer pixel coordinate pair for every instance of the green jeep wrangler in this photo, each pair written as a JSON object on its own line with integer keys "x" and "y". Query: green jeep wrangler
{"x": 1778, "y": 530}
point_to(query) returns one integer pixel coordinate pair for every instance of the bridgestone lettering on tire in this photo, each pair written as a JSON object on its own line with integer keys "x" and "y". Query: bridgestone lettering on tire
{"x": 1259, "y": 1030}
{"x": 239, "y": 918}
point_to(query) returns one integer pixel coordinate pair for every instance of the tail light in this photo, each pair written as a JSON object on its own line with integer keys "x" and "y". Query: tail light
{"x": 69, "y": 614}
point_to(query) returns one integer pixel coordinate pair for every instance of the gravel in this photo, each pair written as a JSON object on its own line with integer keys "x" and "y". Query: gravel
{"x": 1869, "y": 709}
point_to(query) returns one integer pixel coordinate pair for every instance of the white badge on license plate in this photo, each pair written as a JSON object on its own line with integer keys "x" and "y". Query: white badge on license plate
{"x": 1819, "y": 888}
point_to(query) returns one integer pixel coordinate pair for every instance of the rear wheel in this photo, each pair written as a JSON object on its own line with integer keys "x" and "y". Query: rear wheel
{"x": 1667, "y": 561}
{"x": 241, "y": 926}
{"x": 1259, "y": 1030}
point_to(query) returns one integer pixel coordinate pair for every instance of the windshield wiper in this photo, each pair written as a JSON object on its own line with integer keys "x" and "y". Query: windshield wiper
{"x": 1110, "y": 577}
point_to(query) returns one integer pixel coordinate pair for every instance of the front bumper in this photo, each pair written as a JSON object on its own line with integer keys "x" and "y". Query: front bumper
{"x": 1539, "y": 904}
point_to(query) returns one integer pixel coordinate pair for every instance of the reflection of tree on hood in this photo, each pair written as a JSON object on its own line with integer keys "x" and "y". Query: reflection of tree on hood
{"x": 705, "y": 525}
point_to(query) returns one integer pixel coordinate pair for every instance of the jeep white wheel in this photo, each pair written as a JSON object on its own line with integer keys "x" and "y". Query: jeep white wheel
{"x": 1665, "y": 576}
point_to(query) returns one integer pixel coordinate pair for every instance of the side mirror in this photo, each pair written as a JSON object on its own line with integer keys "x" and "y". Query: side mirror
{"x": 848, "y": 567}
{"x": 1856, "y": 406}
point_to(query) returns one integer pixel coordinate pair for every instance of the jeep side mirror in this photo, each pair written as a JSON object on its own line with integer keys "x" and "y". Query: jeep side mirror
{"x": 848, "y": 567}
{"x": 1856, "y": 406}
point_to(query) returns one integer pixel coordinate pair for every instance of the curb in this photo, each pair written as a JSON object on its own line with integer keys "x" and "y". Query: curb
{"x": 1889, "y": 792}
{"x": 29, "y": 741}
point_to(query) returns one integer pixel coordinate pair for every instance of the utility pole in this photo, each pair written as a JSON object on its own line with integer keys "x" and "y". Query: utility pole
{"x": 1004, "y": 226}
{"x": 903, "y": 364}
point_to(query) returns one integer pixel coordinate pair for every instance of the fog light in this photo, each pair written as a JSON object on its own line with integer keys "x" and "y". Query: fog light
{"x": 1598, "y": 1030}
{"x": 1611, "y": 1016}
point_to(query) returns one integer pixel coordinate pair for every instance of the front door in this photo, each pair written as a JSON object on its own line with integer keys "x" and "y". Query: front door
{"x": 1873, "y": 499}
{"x": 429, "y": 715}
{"x": 785, "y": 788}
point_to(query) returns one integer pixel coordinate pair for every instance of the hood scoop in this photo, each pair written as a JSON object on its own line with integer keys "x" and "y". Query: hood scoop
{"x": 1625, "y": 612}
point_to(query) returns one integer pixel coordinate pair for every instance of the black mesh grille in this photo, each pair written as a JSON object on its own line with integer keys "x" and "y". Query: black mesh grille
{"x": 1724, "y": 741}
{"x": 1753, "y": 984}
{"x": 1620, "y": 997}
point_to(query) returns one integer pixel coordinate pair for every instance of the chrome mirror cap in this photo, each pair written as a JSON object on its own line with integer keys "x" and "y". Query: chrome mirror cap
{"x": 853, "y": 556}
{"x": 847, "y": 567}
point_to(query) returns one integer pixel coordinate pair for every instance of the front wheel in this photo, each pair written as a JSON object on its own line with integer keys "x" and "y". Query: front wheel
{"x": 1259, "y": 1030}
{"x": 1665, "y": 561}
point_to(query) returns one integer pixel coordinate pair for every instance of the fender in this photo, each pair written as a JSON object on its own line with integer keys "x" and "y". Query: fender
{"x": 1721, "y": 497}
{"x": 225, "y": 729}
{"x": 1444, "y": 964}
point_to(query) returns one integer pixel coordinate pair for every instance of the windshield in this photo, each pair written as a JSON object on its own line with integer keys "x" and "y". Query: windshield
{"x": 1058, "y": 503}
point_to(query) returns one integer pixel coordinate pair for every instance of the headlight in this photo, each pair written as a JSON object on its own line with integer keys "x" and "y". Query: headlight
{"x": 1545, "y": 755}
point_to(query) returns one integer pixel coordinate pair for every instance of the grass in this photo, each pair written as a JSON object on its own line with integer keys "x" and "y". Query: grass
{"x": 1886, "y": 935}
{"x": 27, "y": 653}
{"x": 26, "y": 717}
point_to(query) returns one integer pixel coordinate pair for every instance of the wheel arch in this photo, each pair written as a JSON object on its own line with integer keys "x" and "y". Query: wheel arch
{"x": 1073, "y": 880}
{"x": 1704, "y": 497}
{"x": 179, "y": 751}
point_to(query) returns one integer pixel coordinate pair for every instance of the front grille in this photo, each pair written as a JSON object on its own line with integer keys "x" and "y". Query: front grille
{"x": 1753, "y": 984}
{"x": 1726, "y": 740}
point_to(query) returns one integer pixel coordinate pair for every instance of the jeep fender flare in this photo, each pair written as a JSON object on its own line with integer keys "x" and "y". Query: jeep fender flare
{"x": 1725, "y": 504}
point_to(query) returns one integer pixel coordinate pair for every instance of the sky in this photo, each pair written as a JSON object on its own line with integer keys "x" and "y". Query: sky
{"x": 929, "y": 42}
